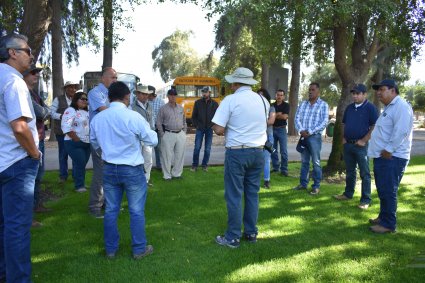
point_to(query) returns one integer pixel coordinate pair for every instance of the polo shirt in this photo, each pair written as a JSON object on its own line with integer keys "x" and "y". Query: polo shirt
{"x": 15, "y": 102}
{"x": 284, "y": 108}
{"x": 118, "y": 131}
{"x": 358, "y": 120}
{"x": 243, "y": 117}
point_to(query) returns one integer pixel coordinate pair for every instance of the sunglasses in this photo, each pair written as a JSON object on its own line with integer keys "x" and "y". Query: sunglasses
{"x": 84, "y": 99}
{"x": 27, "y": 50}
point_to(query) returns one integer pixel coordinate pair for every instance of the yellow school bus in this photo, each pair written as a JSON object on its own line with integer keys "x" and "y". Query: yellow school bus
{"x": 189, "y": 90}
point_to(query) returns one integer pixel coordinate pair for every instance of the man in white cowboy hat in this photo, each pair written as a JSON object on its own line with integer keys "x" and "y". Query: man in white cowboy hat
{"x": 59, "y": 104}
{"x": 242, "y": 118}
{"x": 141, "y": 106}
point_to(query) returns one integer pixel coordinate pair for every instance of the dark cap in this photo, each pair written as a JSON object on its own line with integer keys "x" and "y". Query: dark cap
{"x": 172, "y": 92}
{"x": 388, "y": 83}
{"x": 359, "y": 88}
{"x": 206, "y": 89}
{"x": 32, "y": 68}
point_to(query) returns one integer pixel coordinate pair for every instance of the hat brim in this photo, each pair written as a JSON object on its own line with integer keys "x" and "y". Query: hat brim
{"x": 65, "y": 86}
{"x": 31, "y": 70}
{"x": 248, "y": 81}
{"x": 142, "y": 92}
{"x": 376, "y": 87}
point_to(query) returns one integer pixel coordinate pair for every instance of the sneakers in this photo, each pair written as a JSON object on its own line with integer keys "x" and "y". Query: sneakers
{"x": 314, "y": 192}
{"x": 110, "y": 255}
{"x": 267, "y": 184}
{"x": 36, "y": 224}
{"x": 97, "y": 214}
{"x": 341, "y": 197}
{"x": 81, "y": 190}
{"x": 205, "y": 168}
{"x": 299, "y": 188}
{"x": 363, "y": 206}
{"x": 193, "y": 169}
{"x": 222, "y": 241}
{"x": 252, "y": 238}
{"x": 148, "y": 251}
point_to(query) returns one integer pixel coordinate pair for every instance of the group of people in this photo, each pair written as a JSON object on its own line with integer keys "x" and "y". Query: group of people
{"x": 121, "y": 138}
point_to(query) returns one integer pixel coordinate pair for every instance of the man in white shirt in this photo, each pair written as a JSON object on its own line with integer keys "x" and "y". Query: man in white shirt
{"x": 389, "y": 146}
{"x": 19, "y": 160}
{"x": 118, "y": 131}
{"x": 242, "y": 119}
{"x": 59, "y": 104}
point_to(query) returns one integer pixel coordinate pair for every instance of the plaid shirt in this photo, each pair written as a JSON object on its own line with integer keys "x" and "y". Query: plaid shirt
{"x": 155, "y": 104}
{"x": 312, "y": 118}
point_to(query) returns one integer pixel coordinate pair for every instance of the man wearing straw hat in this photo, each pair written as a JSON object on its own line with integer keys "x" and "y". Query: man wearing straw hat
{"x": 242, "y": 119}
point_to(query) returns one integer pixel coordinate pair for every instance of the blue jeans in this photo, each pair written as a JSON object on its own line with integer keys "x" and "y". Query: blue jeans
{"x": 63, "y": 157}
{"x": 280, "y": 137}
{"x": 80, "y": 154}
{"x": 39, "y": 177}
{"x": 357, "y": 155}
{"x": 16, "y": 206}
{"x": 267, "y": 160}
{"x": 242, "y": 176}
{"x": 312, "y": 151}
{"x": 200, "y": 133}
{"x": 118, "y": 179}
{"x": 158, "y": 153}
{"x": 388, "y": 174}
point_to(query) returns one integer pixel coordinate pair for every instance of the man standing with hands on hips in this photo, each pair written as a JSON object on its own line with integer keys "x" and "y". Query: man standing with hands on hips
{"x": 357, "y": 125}
{"x": 390, "y": 146}
{"x": 242, "y": 119}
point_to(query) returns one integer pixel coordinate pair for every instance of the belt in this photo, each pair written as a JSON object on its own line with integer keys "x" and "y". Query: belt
{"x": 245, "y": 146}
{"x": 352, "y": 141}
{"x": 174, "y": 132}
{"x": 280, "y": 127}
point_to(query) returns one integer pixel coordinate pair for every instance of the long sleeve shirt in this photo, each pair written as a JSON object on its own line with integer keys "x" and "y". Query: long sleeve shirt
{"x": 312, "y": 117}
{"x": 54, "y": 108}
{"x": 171, "y": 118}
{"x": 118, "y": 131}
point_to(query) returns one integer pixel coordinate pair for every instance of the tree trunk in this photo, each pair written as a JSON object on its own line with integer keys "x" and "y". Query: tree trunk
{"x": 35, "y": 23}
{"x": 293, "y": 93}
{"x": 264, "y": 74}
{"x": 57, "y": 72}
{"x": 107, "y": 33}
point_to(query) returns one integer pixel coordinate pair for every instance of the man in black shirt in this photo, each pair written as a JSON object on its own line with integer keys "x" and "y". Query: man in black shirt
{"x": 280, "y": 134}
{"x": 203, "y": 112}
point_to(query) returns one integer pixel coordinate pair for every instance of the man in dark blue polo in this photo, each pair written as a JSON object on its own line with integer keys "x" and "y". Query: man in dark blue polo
{"x": 358, "y": 122}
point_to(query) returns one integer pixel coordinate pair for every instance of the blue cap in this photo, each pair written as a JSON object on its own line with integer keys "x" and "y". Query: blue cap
{"x": 206, "y": 89}
{"x": 359, "y": 88}
{"x": 388, "y": 83}
{"x": 172, "y": 92}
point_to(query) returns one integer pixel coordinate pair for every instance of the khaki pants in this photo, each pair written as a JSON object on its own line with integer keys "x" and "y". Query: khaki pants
{"x": 172, "y": 154}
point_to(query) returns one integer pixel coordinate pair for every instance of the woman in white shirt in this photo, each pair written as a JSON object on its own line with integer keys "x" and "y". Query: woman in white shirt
{"x": 75, "y": 126}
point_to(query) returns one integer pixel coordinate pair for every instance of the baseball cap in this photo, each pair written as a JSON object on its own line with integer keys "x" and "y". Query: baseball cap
{"x": 359, "y": 88}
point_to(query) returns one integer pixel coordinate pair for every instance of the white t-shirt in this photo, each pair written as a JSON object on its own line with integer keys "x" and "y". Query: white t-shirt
{"x": 243, "y": 116}
{"x": 15, "y": 102}
{"x": 76, "y": 121}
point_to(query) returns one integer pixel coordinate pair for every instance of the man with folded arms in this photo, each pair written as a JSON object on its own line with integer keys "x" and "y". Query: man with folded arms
{"x": 242, "y": 119}
{"x": 171, "y": 125}
{"x": 117, "y": 132}
{"x": 390, "y": 146}
{"x": 357, "y": 125}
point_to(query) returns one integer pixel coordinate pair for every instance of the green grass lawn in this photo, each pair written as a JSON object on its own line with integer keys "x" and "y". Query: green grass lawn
{"x": 302, "y": 238}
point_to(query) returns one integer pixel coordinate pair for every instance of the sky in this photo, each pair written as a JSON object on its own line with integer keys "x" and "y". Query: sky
{"x": 151, "y": 24}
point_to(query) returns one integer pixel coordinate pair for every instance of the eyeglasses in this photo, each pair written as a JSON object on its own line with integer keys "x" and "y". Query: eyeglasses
{"x": 27, "y": 50}
{"x": 83, "y": 99}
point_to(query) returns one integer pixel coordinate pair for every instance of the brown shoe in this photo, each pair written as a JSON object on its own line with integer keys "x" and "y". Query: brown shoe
{"x": 148, "y": 251}
{"x": 341, "y": 197}
{"x": 36, "y": 224}
{"x": 363, "y": 206}
{"x": 374, "y": 221}
{"x": 380, "y": 229}
{"x": 41, "y": 208}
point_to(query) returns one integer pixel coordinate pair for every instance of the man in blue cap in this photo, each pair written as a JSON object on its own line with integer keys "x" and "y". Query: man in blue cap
{"x": 357, "y": 125}
{"x": 390, "y": 146}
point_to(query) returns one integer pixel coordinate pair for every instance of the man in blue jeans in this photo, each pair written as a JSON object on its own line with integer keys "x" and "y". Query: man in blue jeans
{"x": 19, "y": 160}
{"x": 118, "y": 131}
{"x": 242, "y": 118}
{"x": 390, "y": 146}
{"x": 310, "y": 120}
{"x": 203, "y": 112}
{"x": 280, "y": 136}
{"x": 357, "y": 125}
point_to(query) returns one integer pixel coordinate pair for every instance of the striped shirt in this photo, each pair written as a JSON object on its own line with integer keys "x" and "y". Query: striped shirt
{"x": 312, "y": 118}
{"x": 156, "y": 104}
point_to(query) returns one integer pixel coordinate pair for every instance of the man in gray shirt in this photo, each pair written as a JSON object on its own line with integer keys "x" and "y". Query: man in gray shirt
{"x": 171, "y": 124}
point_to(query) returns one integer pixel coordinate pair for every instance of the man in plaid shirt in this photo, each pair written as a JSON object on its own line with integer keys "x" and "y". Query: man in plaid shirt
{"x": 310, "y": 121}
{"x": 156, "y": 103}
